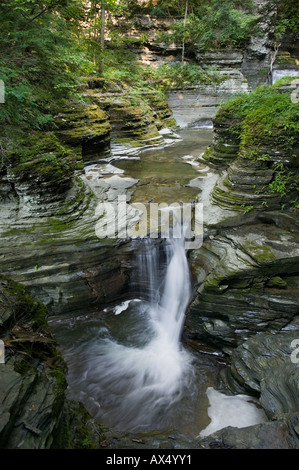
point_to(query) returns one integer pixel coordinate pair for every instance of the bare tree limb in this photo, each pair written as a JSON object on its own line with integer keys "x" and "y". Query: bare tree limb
{"x": 48, "y": 8}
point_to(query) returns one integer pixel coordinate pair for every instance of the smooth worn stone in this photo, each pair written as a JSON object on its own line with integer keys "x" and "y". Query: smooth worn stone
{"x": 264, "y": 363}
{"x": 198, "y": 104}
{"x": 248, "y": 279}
{"x": 273, "y": 435}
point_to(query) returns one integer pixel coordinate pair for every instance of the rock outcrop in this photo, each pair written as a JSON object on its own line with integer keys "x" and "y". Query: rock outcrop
{"x": 34, "y": 410}
{"x": 50, "y": 189}
{"x": 247, "y": 280}
{"x": 247, "y": 267}
{"x": 135, "y": 117}
{"x": 196, "y": 106}
{"x": 263, "y": 365}
{"x": 32, "y": 382}
{"x": 252, "y": 165}
{"x": 86, "y": 128}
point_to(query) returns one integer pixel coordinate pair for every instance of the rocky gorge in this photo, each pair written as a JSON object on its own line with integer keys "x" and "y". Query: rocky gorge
{"x": 245, "y": 275}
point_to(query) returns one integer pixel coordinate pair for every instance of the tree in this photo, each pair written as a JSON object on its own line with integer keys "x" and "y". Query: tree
{"x": 286, "y": 22}
{"x": 185, "y": 21}
{"x": 97, "y": 17}
{"x": 211, "y": 24}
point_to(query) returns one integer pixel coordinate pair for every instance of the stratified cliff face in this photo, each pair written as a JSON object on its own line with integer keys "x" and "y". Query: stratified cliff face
{"x": 32, "y": 382}
{"x": 248, "y": 264}
{"x": 48, "y": 197}
{"x": 246, "y": 272}
{"x": 50, "y": 191}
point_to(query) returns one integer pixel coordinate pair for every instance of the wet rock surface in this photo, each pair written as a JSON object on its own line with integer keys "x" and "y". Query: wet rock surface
{"x": 32, "y": 377}
{"x": 263, "y": 364}
{"x": 50, "y": 200}
{"x": 246, "y": 302}
{"x": 250, "y": 283}
{"x": 246, "y": 276}
{"x": 278, "y": 434}
{"x": 60, "y": 259}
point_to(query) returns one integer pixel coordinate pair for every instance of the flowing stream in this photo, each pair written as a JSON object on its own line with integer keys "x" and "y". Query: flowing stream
{"x": 127, "y": 363}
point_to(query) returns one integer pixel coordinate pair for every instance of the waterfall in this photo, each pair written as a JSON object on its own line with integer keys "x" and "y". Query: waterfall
{"x": 134, "y": 383}
{"x": 169, "y": 288}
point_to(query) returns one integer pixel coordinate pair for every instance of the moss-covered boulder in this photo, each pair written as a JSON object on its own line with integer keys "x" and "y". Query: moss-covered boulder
{"x": 85, "y": 128}
{"x": 131, "y": 117}
{"x": 136, "y": 115}
{"x": 256, "y": 141}
{"x": 41, "y": 170}
{"x": 162, "y": 112}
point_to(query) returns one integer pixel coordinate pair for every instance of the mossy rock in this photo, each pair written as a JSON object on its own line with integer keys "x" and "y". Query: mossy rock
{"x": 265, "y": 117}
{"x": 276, "y": 282}
{"x": 86, "y": 127}
{"x": 136, "y": 114}
{"x": 94, "y": 82}
{"x": 33, "y": 380}
{"x": 43, "y": 166}
{"x": 17, "y": 306}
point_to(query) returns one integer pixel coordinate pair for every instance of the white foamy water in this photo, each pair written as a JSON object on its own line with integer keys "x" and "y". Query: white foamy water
{"x": 133, "y": 384}
{"x": 238, "y": 411}
{"x": 124, "y": 306}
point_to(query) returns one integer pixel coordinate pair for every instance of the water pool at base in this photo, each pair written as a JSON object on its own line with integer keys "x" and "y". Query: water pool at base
{"x": 129, "y": 368}
{"x": 126, "y": 362}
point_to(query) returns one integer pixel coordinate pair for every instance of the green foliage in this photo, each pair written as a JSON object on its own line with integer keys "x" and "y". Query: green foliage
{"x": 287, "y": 19}
{"x": 121, "y": 64}
{"x": 267, "y": 118}
{"x": 87, "y": 443}
{"x": 285, "y": 181}
{"x": 265, "y": 113}
{"x": 214, "y": 24}
{"x": 176, "y": 8}
{"x": 284, "y": 80}
{"x": 247, "y": 208}
{"x": 40, "y": 62}
{"x": 178, "y": 75}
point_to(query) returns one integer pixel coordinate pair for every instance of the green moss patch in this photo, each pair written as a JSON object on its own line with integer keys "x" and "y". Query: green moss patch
{"x": 42, "y": 158}
{"x": 266, "y": 123}
{"x": 265, "y": 115}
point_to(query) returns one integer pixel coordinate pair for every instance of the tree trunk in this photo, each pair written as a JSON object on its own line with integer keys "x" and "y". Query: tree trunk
{"x": 102, "y": 37}
{"x": 185, "y": 21}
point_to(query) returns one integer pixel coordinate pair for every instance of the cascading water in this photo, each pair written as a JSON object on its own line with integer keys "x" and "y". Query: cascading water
{"x": 126, "y": 363}
{"x": 135, "y": 382}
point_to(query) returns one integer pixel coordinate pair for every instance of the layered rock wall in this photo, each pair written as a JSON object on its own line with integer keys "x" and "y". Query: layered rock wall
{"x": 246, "y": 280}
